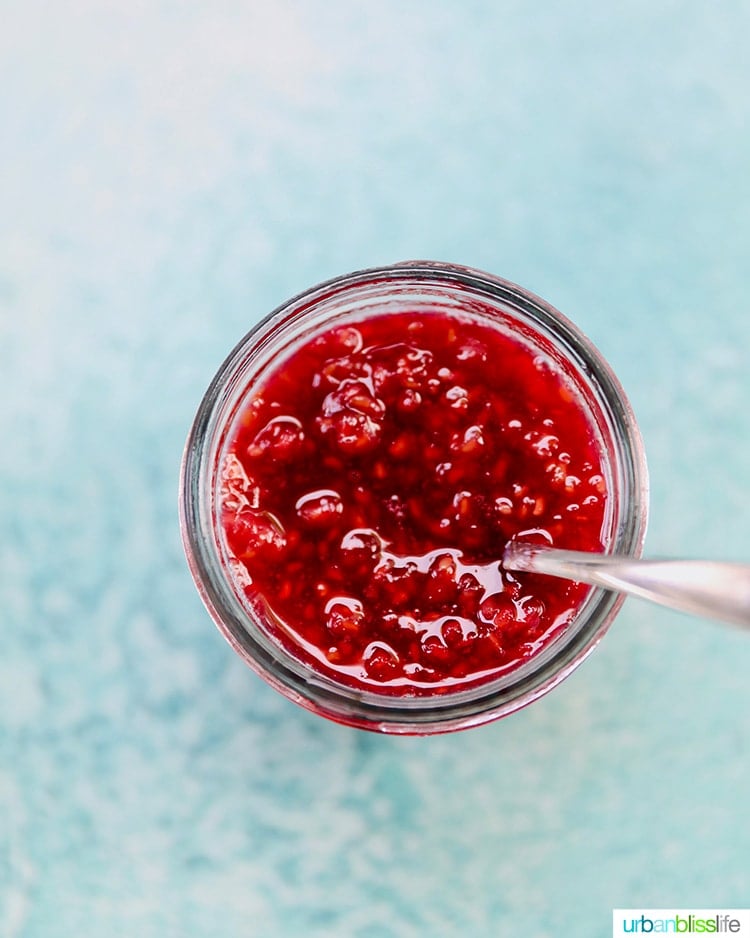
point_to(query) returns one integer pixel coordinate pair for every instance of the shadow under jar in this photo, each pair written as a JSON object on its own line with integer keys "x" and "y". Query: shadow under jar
{"x": 359, "y": 463}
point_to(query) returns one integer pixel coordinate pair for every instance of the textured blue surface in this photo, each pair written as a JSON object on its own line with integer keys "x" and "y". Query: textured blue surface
{"x": 170, "y": 172}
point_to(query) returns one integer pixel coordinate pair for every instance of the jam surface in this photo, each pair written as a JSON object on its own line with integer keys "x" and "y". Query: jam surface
{"x": 371, "y": 482}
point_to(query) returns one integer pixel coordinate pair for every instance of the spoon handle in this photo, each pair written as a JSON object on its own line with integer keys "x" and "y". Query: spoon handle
{"x": 702, "y": 587}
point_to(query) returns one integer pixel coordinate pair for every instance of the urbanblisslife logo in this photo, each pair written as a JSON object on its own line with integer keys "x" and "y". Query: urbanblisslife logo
{"x": 728, "y": 922}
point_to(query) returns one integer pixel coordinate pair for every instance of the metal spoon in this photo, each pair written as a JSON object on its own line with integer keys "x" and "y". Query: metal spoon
{"x": 702, "y": 587}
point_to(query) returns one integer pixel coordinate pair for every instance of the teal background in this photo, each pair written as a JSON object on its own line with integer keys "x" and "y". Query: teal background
{"x": 170, "y": 172}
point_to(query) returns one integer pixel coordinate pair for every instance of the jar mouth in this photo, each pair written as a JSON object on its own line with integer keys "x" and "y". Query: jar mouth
{"x": 357, "y": 295}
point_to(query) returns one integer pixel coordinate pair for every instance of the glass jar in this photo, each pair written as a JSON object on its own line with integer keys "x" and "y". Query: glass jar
{"x": 344, "y": 300}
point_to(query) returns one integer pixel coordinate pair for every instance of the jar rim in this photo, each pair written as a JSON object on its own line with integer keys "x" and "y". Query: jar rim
{"x": 369, "y": 710}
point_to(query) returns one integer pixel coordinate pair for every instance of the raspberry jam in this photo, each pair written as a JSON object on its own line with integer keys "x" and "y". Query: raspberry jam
{"x": 373, "y": 480}
{"x": 356, "y": 470}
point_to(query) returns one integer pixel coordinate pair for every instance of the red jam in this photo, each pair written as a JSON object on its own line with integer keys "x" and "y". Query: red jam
{"x": 371, "y": 482}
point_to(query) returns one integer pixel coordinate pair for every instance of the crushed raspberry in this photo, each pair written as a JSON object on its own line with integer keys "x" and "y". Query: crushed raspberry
{"x": 371, "y": 482}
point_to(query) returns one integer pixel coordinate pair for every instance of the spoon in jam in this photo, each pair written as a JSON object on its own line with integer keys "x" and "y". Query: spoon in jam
{"x": 702, "y": 587}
